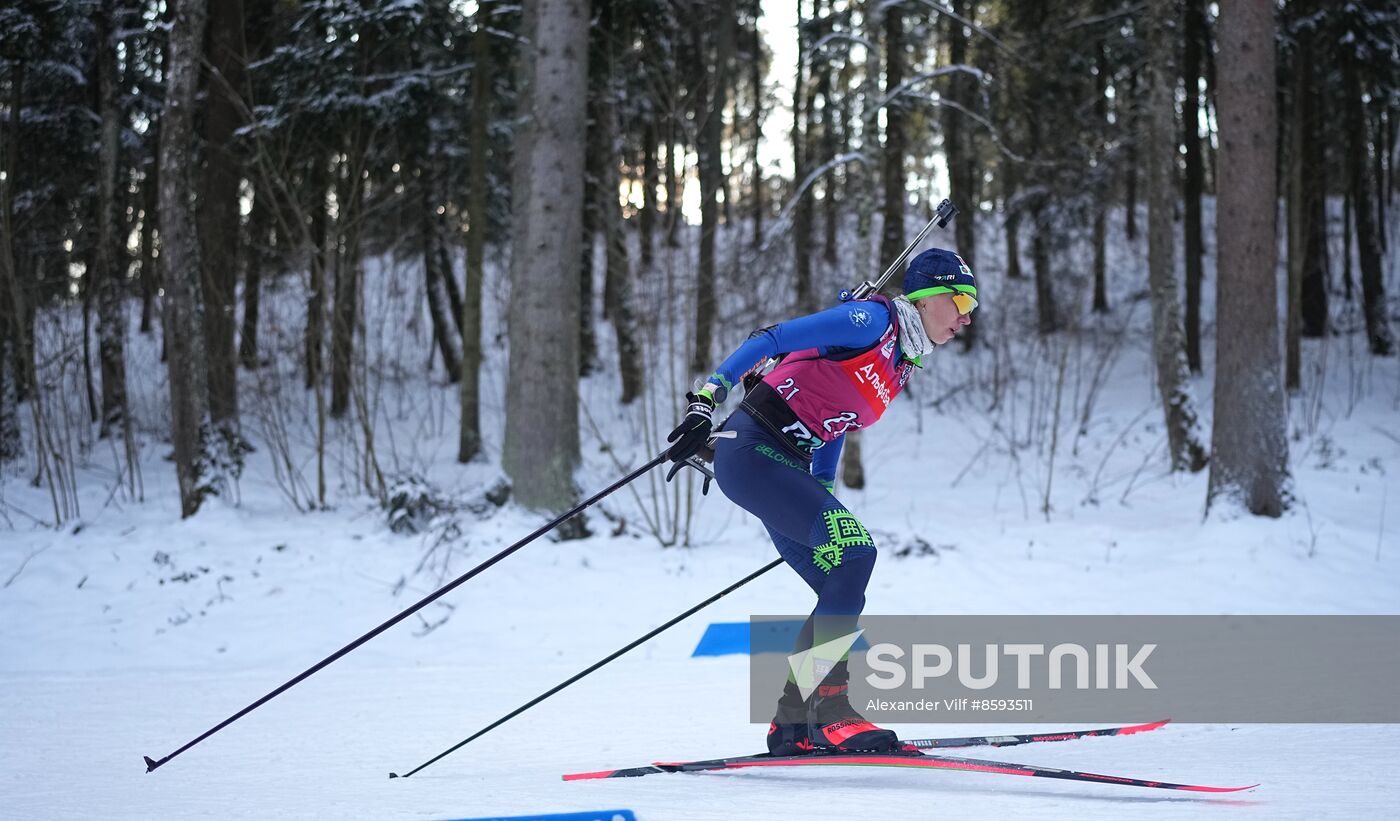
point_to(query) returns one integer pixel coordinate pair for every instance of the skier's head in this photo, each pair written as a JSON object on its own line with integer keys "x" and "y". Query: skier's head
{"x": 944, "y": 290}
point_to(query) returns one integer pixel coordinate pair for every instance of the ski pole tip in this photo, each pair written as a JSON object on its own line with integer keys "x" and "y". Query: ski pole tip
{"x": 393, "y": 775}
{"x": 151, "y": 765}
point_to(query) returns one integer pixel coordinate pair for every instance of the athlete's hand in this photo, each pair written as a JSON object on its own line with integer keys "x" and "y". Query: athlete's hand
{"x": 694, "y": 430}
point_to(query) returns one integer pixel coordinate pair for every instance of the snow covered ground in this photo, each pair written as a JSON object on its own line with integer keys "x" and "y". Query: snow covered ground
{"x": 128, "y": 632}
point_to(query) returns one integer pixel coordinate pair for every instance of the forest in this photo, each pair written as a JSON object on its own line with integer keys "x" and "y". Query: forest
{"x": 255, "y": 229}
{"x": 369, "y": 324}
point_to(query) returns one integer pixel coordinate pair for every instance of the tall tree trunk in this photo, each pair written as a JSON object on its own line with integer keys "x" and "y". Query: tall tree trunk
{"x": 89, "y": 290}
{"x": 1101, "y": 192}
{"x": 1378, "y": 174}
{"x": 831, "y": 220}
{"x": 727, "y": 152}
{"x": 892, "y": 232}
{"x": 346, "y": 309}
{"x": 1249, "y": 443}
{"x": 675, "y": 167}
{"x": 111, "y": 248}
{"x": 1047, "y": 313}
{"x": 864, "y": 175}
{"x": 822, "y": 69}
{"x": 617, "y": 294}
{"x": 587, "y": 342}
{"x": 295, "y": 244}
{"x": 961, "y": 153}
{"x": 218, "y": 210}
{"x": 1311, "y": 120}
{"x": 1306, "y": 189}
{"x": 479, "y": 146}
{"x": 1392, "y": 187}
{"x": 604, "y": 153}
{"x": 802, "y": 213}
{"x": 16, "y": 311}
{"x": 1044, "y": 145}
{"x": 1173, "y": 380}
{"x": 180, "y": 259}
{"x": 1211, "y": 111}
{"x": 450, "y": 286}
{"x": 150, "y": 198}
{"x": 646, "y": 219}
{"x": 756, "y": 81}
{"x": 437, "y": 269}
{"x": 1293, "y": 172}
{"x": 1368, "y": 247}
{"x": 711, "y": 106}
{"x": 1130, "y": 160}
{"x": 862, "y": 185}
{"x": 542, "y": 436}
{"x": 258, "y": 252}
{"x": 11, "y": 436}
{"x": 320, "y": 254}
{"x": 12, "y": 371}
{"x": 1010, "y": 185}
{"x": 957, "y": 140}
{"x": 1392, "y": 124}
{"x": 1099, "y": 235}
{"x": 1347, "y": 233}
{"x": 1191, "y": 72}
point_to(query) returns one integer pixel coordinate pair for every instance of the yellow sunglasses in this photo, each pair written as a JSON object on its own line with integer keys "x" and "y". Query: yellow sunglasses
{"x": 966, "y": 303}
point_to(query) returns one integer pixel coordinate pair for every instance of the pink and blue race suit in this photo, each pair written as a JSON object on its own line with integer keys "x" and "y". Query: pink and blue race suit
{"x": 813, "y": 397}
{"x": 842, "y": 368}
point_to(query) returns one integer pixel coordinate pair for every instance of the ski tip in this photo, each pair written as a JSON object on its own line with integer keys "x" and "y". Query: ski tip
{"x": 1142, "y": 728}
{"x": 1219, "y": 789}
{"x": 585, "y": 776}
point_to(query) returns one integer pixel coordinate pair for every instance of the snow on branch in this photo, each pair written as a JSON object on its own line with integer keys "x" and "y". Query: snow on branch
{"x": 982, "y": 121}
{"x": 905, "y": 86}
{"x": 785, "y": 216}
{"x": 947, "y": 12}
{"x": 834, "y": 37}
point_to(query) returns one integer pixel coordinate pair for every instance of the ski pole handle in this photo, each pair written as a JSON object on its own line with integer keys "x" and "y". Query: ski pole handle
{"x": 699, "y": 464}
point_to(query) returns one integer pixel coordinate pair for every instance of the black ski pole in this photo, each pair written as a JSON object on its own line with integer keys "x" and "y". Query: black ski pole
{"x": 151, "y": 764}
{"x": 556, "y": 688}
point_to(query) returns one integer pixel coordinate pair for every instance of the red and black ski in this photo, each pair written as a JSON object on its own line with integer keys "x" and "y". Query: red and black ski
{"x": 913, "y": 760}
{"x": 1029, "y": 738}
{"x": 921, "y": 743}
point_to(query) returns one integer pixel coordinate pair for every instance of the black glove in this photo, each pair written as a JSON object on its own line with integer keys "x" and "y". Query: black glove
{"x": 694, "y": 430}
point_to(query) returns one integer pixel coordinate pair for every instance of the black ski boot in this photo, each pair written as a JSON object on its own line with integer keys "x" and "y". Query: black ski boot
{"x": 789, "y": 733}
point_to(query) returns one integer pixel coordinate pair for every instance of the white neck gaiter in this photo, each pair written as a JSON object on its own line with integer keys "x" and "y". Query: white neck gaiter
{"x": 912, "y": 339}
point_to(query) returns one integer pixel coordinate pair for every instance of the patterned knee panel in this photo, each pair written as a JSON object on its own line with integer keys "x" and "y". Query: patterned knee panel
{"x": 838, "y": 537}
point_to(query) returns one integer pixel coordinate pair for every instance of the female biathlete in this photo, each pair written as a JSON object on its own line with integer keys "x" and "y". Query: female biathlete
{"x": 840, "y": 369}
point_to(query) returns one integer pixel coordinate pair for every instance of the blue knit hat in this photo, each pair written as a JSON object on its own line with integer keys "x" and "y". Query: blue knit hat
{"x": 937, "y": 271}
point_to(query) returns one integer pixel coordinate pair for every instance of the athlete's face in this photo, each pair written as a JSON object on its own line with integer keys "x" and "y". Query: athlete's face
{"x": 941, "y": 318}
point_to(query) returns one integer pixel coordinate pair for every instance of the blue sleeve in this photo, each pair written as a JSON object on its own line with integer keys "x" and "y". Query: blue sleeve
{"x": 848, "y": 325}
{"x": 825, "y": 459}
